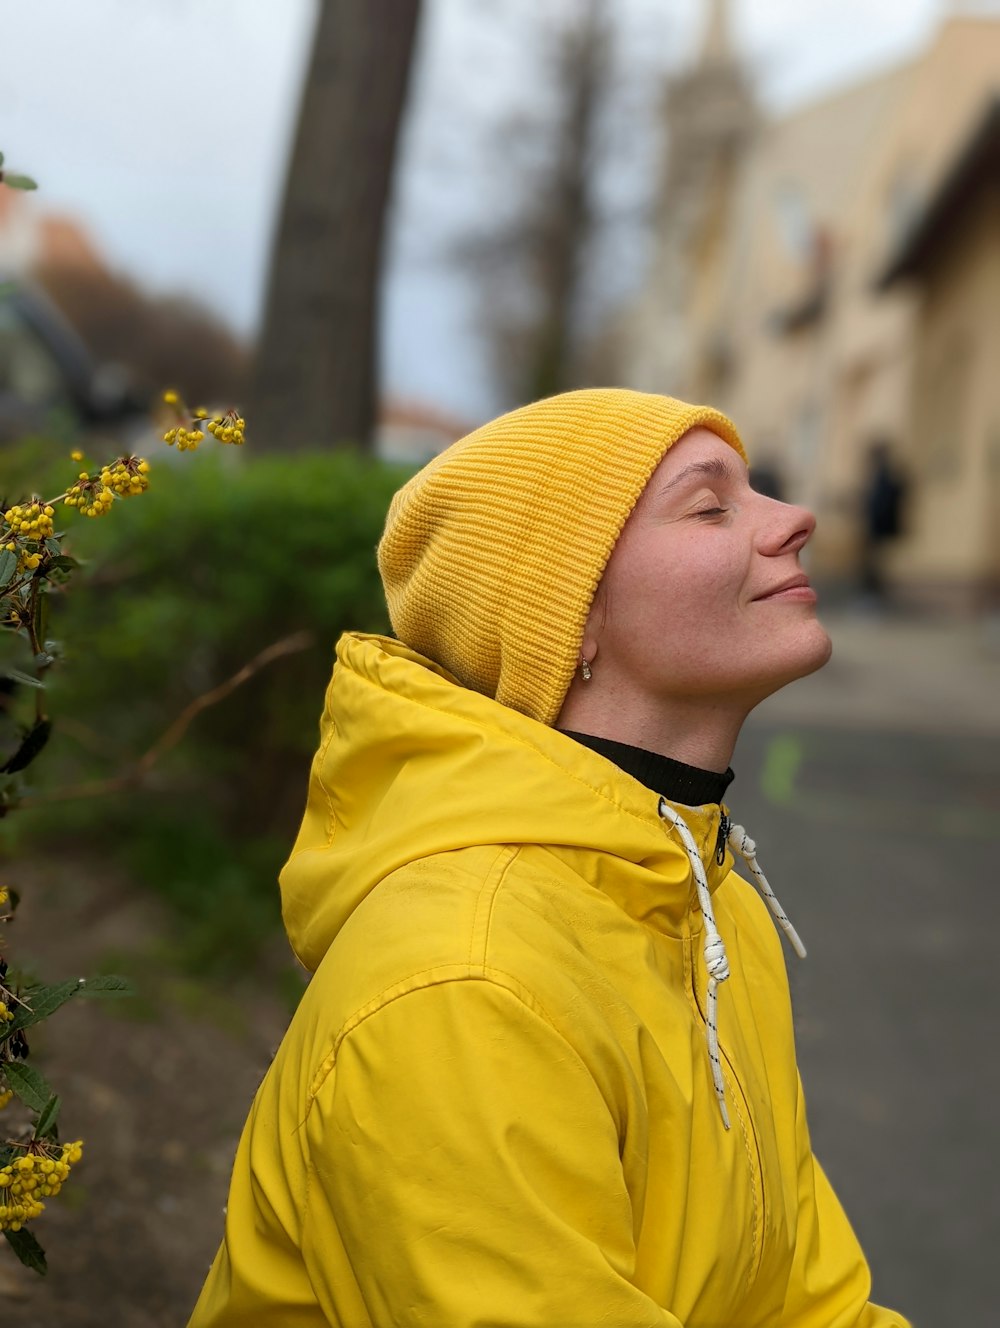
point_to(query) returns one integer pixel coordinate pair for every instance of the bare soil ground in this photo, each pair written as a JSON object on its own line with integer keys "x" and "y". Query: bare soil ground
{"x": 157, "y": 1086}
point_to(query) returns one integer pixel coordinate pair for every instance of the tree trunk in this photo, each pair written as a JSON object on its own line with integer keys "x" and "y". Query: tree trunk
{"x": 580, "y": 72}
{"x": 315, "y": 379}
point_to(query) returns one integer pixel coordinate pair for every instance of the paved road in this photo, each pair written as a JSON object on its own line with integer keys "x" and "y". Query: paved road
{"x": 874, "y": 799}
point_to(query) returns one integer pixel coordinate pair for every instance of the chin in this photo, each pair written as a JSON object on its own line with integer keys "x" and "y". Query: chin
{"x": 810, "y": 654}
{"x": 823, "y": 647}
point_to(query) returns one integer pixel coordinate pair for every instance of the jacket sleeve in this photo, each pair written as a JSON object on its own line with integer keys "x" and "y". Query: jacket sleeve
{"x": 830, "y": 1281}
{"x": 464, "y": 1158}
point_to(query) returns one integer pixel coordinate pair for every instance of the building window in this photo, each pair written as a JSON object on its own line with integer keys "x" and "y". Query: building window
{"x": 794, "y": 223}
{"x": 28, "y": 373}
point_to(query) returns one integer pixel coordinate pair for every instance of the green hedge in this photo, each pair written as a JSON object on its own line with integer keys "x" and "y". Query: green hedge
{"x": 223, "y": 556}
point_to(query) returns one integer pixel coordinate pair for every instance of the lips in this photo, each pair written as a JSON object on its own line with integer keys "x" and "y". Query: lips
{"x": 798, "y": 583}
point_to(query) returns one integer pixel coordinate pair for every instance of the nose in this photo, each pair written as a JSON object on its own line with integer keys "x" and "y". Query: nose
{"x": 789, "y": 528}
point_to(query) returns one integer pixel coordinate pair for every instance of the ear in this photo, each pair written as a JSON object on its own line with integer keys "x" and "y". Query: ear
{"x": 588, "y": 647}
{"x": 595, "y": 623}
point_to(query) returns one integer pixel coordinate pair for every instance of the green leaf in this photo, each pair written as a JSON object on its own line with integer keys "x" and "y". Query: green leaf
{"x": 43, "y": 1002}
{"x": 20, "y": 181}
{"x": 26, "y": 678}
{"x": 63, "y": 563}
{"x": 31, "y": 744}
{"x": 1, "y": 158}
{"x": 46, "y": 1123}
{"x": 27, "y": 1250}
{"x": 8, "y": 566}
{"x": 109, "y": 985}
{"x": 28, "y": 1084}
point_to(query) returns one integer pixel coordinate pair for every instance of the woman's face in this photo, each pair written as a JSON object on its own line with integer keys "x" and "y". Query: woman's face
{"x": 703, "y": 596}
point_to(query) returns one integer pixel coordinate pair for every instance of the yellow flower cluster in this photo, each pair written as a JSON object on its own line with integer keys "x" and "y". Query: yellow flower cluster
{"x": 5, "y": 1097}
{"x": 126, "y": 476}
{"x": 186, "y": 439}
{"x": 90, "y": 497}
{"x": 25, "y": 561}
{"x": 37, "y": 1175}
{"x": 6, "y": 1013}
{"x": 228, "y": 428}
{"x": 32, "y": 521}
{"x": 29, "y": 522}
{"x": 93, "y": 495}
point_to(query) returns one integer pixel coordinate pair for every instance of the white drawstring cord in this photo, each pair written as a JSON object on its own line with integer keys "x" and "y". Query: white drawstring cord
{"x": 715, "y": 951}
{"x": 747, "y": 849}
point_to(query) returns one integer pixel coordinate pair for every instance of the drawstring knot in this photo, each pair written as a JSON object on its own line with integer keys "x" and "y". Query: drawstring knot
{"x": 716, "y": 960}
{"x": 741, "y": 841}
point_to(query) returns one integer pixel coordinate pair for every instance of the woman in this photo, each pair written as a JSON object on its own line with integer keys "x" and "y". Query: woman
{"x": 544, "y": 1072}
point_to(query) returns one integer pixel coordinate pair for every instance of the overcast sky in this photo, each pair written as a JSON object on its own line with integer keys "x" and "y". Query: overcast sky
{"x": 163, "y": 126}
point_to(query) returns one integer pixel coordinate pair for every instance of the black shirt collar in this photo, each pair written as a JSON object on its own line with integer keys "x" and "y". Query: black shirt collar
{"x": 673, "y": 780}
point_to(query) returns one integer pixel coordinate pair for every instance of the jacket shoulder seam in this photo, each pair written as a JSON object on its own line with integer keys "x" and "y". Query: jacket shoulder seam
{"x": 483, "y": 919}
{"x": 434, "y": 977}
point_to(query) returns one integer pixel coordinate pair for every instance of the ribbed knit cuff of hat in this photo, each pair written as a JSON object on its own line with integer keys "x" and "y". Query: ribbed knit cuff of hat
{"x": 492, "y": 553}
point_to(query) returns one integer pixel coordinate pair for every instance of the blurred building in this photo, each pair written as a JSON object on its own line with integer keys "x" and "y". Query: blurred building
{"x": 47, "y": 372}
{"x": 84, "y": 346}
{"x": 832, "y": 279}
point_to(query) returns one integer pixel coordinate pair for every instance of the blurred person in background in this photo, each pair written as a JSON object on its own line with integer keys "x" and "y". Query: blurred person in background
{"x": 883, "y": 503}
{"x": 544, "y": 1073}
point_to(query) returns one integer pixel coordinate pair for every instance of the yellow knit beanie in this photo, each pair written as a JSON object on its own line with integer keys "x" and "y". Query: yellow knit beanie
{"x": 492, "y": 553}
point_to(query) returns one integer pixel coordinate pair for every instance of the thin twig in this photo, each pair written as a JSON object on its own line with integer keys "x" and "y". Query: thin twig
{"x": 289, "y": 645}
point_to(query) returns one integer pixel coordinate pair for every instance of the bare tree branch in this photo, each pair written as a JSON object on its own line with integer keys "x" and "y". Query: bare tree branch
{"x": 135, "y": 775}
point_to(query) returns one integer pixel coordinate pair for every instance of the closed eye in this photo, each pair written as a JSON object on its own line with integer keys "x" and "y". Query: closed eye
{"x": 712, "y": 511}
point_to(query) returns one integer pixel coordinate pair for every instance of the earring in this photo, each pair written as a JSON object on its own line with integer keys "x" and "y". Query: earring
{"x": 585, "y": 669}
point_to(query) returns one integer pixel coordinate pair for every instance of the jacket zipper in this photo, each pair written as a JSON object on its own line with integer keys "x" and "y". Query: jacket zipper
{"x": 725, "y": 825}
{"x": 755, "y": 1163}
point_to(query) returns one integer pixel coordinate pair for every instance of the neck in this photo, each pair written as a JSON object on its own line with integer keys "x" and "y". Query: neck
{"x": 698, "y": 732}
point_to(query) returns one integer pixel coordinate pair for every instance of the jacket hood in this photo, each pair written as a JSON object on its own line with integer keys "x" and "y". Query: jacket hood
{"x": 412, "y": 764}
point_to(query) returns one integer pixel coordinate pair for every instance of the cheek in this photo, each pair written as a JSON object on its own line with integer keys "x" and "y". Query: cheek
{"x": 675, "y": 596}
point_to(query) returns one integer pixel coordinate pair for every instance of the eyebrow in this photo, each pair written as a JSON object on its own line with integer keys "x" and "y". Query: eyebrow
{"x": 714, "y": 468}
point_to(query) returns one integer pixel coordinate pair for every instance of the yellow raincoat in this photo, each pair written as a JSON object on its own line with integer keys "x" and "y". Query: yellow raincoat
{"x": 494, "y": 1106}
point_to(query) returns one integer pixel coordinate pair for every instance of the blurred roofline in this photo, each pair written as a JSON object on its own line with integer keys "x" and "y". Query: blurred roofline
{"x": 775, "y": 119}
{"x": 969, "y": 172}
